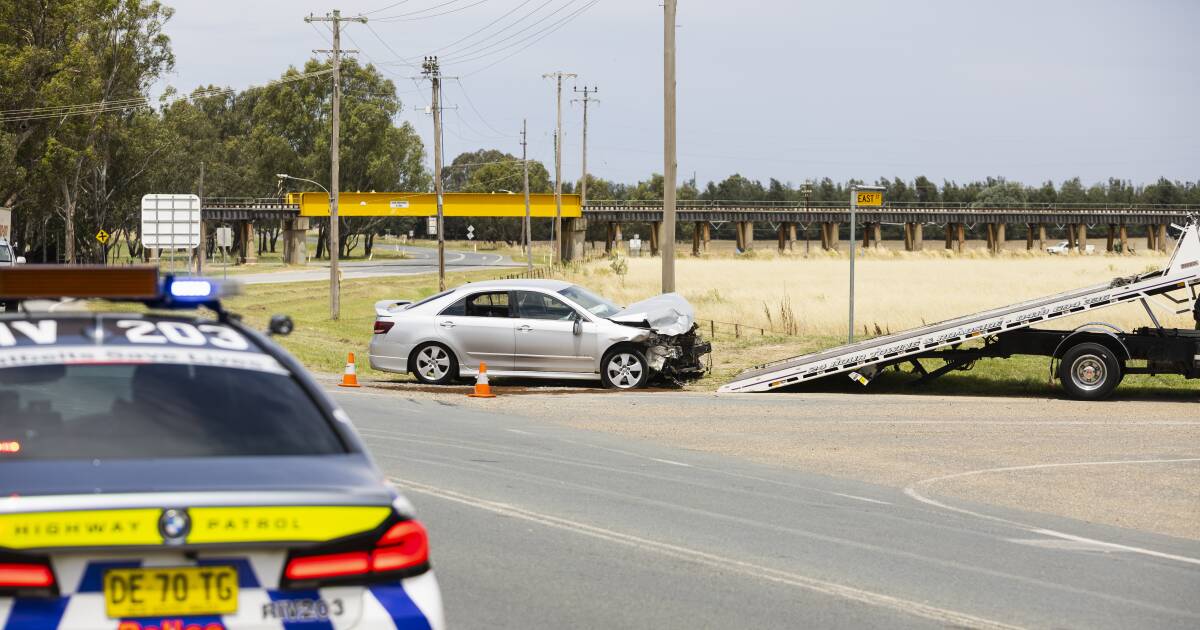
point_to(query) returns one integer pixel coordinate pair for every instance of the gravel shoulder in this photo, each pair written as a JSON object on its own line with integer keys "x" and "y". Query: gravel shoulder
{"x": 903, "y": 441}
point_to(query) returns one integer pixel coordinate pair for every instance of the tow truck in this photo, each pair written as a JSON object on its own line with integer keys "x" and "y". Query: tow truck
{"x": 1089, "y": 361}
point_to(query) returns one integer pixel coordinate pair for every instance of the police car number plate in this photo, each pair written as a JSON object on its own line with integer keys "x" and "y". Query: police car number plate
{"x": 153, "y": 592}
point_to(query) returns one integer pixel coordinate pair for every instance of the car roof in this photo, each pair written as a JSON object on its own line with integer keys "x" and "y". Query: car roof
{"x": 520, "y": 283}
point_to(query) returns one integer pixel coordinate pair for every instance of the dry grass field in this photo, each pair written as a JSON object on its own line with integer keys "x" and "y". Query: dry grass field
{"x": 895, "y": 290}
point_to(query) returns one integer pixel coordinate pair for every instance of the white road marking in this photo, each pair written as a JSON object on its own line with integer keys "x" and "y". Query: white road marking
{"x": 720, "y": 563}
{"x": 912, "y": 491}
{"x": 518, "y": 431}
{"x": 671, "y": 462}
{"x": 858, "y": 498}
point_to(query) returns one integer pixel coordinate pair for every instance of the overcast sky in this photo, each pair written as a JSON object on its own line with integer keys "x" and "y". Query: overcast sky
{"x": 952, "y": 89}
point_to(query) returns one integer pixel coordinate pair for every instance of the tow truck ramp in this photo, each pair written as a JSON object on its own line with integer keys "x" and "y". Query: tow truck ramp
{"x": 1181, "y": 273}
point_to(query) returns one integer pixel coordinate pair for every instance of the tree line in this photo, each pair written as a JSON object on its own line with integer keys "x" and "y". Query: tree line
{"x": 81, "y": 141}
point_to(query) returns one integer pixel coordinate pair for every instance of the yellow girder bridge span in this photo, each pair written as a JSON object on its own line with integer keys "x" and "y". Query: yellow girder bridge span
{"x": 404, "y": 204}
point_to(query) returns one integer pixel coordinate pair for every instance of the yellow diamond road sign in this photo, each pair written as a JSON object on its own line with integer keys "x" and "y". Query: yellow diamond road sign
{"x": 869, "y": 198}
{"x": 103, "y": 237}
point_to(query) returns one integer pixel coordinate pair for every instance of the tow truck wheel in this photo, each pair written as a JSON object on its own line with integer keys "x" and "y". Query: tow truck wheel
{"x": 434, "y": 364}
{"x": 1089, "y": 371}
{"x": 624, "y": 368}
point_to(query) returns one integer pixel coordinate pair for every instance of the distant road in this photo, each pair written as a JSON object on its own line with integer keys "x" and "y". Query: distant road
{"x": 420, "y": 260}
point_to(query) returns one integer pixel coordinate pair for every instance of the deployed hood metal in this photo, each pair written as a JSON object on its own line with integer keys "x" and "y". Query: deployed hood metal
{"x": 667, "y": 314}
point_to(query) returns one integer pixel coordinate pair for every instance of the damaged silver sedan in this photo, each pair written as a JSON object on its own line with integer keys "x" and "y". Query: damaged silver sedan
{"x": 538, "y": 329}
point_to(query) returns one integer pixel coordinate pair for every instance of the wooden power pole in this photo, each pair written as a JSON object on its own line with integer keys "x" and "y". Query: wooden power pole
{"x": 525, "y": 170}
{"x": 431, "y": 70}
{"x": 558, "y": 77}
{"x": 585, "y": 100}
{"x": 335, "y": 280}
{"x": 667, "y": 237}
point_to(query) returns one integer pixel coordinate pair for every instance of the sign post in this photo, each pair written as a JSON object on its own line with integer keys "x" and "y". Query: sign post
{"x": 867, "y": 196}
{"x": 471, "y": 237}
{"x": 224, "y": 242}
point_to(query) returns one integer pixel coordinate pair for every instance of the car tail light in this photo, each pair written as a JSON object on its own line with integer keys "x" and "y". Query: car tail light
{"x": 328, "y": 566}
{"x": 403, "y": 547}
{"x": 14, "y": 575}
{"x": 382, "y": 326}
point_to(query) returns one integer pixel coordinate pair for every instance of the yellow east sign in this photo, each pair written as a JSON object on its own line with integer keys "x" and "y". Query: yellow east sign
{"x": 869, "y": 198}
{"x": 404, "y": 204}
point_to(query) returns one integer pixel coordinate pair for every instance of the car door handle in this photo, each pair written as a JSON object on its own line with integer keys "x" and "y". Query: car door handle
{"x": 524, "y": 328}
{"x": 447, "y": 324}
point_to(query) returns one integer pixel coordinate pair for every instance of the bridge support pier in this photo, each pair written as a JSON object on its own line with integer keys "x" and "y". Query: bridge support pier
{"x": 707, "y": 236}
{"x": 1124, "y": 235}
{"x": 1150, "y": 234}
{"x": 697, "y": 235}
{"x": 655, "y": 232}
{"x": 962, "y": 237}
{"x": 1161, "y": 239}
{"x": 295, "y": 249}
{"x": 950, "y": 236}
{"x": 747, "y": 235}
{"x": 1110, "y": 244}
{"x": 791, "y": 236}
{"x": 781, "y": 232}
{"x": 1072, "y": 231}
{"x": 995, "y": 234}
{"x": 617, "y": 237}
{"x": 738, "y": 235}
{"x": 1029, "y": 237}
{"x": 830, "y": 236}
{"x": 574, "y": 238}
{"x": 608, "y": 238}
{"x": 250, "y": 244}
{"x": 1082, "y": 238}
{"x": 1041, "y": 236}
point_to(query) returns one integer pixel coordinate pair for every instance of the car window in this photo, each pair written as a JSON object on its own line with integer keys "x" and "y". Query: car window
{"x": 157, "y": 410}
{"x": 595, "y": 304}
{"x": 490, "y": 304}
{"x": 429, "y": 299}
{"x": 5, "y": 254}
{"x": 534, "y": 305}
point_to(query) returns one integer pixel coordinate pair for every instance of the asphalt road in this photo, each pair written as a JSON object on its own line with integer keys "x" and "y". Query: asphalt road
{"x": 538, "y": 525}
{"x": 420, "y": 260}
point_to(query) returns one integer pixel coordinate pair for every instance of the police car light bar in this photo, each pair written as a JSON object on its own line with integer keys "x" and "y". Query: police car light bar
{"x": 51, "y": 282}
{"x": 120, "y": 284}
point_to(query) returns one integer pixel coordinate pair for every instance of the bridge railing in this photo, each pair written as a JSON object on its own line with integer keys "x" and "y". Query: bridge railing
{"x": 897, "y": 205}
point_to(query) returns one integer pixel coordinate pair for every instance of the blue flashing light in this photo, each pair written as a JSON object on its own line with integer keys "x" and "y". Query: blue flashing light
{"x": 190, "y": 292}
{"x": 189, "y": 289}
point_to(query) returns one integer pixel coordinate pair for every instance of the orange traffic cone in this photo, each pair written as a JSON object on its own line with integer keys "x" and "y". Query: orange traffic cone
{"x": 482, "y": 388}
{"x": 350, "y": 376}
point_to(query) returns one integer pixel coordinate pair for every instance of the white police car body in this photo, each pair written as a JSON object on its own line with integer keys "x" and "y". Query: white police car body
{"x": 173, "y": 473}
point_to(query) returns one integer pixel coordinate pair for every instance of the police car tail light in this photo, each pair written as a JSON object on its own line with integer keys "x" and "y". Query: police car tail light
{"x": 404, "y": 546}
{"x": 25, "y": 575}
{"x": 328, "y": 566}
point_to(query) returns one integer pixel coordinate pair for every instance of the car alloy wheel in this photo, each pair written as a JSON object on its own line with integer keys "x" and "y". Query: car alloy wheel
{"x": 625, "y": 370}
{"x": 433, "y": 363}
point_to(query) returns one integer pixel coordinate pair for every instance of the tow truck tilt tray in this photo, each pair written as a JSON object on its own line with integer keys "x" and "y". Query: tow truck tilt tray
{"x": 1097, "y": 352}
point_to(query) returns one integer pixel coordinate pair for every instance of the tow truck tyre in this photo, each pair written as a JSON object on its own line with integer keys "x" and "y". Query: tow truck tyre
{"x": 434, "y": 364}
{"x": 624, "y": 367}
{"x": 1089, "y": 371}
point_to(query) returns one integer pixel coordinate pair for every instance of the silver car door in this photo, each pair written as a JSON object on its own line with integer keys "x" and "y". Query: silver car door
{"x": 479, "y": 328}
{"x": 545, "y": 336}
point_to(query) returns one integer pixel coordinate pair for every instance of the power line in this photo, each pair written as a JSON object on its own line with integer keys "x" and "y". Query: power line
{"x": 488, "y": 40}
{"x": 460, "y": 55}
{"x": 545, "y": 34}
{"x": 390, "y": 6}
{"x": 471, "y": 103}
{"x": 401, "y": 17}
{"x": 99, "y": 107}
{"x": 485, "y": 27}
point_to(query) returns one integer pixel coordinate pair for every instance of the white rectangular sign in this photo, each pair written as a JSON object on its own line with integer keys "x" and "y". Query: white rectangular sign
{"x": 224, "y": 237}
{"x": 171, "y": 221}
{"x": 431, "y": 226}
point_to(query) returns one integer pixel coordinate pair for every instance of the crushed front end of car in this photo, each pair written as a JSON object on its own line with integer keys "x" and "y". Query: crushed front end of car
{"x": 673, "y": 345}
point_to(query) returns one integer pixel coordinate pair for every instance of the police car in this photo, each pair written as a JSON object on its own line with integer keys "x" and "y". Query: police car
{"x": 175, "y": 473}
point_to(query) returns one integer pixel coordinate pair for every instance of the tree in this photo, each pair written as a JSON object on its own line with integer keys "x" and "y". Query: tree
{"x": 1001, "y": 194}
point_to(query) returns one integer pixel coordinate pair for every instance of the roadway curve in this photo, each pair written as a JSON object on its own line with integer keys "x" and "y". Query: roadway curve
{"x": 538, "y": 525}
{"x": 420, "y": 260}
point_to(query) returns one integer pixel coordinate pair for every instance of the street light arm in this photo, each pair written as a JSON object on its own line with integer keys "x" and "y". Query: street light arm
{"x": 301, "y": 179}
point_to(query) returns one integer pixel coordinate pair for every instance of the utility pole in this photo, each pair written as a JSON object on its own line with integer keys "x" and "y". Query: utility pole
{"x": 335, "y": 280}
{"x": 585, "y": 100}
{"x": 667, "y": 237}
{"x": 200, "y": 247}
{"x": 431, "y": 70}
{"x": 525, "y": 168}
{"x": 558, "y": 77}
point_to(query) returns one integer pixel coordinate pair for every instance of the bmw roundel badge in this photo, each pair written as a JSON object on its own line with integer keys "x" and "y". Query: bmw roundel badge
{"x": 174, "y": 525}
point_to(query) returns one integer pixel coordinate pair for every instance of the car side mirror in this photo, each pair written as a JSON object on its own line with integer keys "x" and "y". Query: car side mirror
{"x": 281, "y": 325}
{"x": 577, "y": 327}
{"x": 20, "y": 260}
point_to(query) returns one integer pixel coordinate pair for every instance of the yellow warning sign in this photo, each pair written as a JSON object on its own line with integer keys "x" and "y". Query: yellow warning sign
{"x": 869, "y": 198}
{"x": 103, "y": 237}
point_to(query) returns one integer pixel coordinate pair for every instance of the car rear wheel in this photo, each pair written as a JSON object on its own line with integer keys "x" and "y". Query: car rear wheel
{"x": 1089, "y": 371}
{"x": 624, "y": 368}
{"x": 434, "y": 364}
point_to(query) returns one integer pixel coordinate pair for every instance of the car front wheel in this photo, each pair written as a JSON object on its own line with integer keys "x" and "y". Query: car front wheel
{"x": 434, "y": 364}
{"x": 624, "y": 368}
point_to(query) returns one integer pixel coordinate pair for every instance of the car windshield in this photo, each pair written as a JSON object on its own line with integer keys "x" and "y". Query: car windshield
{"x": 5, "y": 254}
{"x": 594, "y": 304}
{"x": 156, "y": 410}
